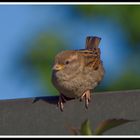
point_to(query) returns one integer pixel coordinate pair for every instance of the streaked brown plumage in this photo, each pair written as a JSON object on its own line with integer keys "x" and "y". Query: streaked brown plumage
{"x": 76, "y": 72}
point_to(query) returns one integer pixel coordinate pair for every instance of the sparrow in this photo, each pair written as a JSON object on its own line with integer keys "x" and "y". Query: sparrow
{"x": 76, "y": 73}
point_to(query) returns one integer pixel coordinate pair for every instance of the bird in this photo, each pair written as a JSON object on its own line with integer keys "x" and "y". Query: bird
{"x": 76, "y": 73}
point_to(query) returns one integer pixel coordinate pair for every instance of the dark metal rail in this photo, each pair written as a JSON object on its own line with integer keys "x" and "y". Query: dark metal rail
{"x": 38, "y": 117}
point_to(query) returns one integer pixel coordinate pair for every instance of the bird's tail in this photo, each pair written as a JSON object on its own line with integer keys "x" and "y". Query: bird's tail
{"x": 92, "y": 42}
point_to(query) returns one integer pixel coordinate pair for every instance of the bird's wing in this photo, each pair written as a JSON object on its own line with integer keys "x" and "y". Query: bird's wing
{"x": 91, "y": 57}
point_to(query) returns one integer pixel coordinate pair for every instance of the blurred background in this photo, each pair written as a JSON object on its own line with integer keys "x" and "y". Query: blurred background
{"x": 31, "y": 35}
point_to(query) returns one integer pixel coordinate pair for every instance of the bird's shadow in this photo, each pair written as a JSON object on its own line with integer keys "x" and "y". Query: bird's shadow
{"x": 47, "y": 99}
{"x": 51, "y": 99}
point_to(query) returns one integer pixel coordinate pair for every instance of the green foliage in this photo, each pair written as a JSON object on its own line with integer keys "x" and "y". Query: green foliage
{"x": 104, "y": 126}
{"x": 127, "y": 15}
{"x": 86, "y": 128}
{"x": 129, "y": 80}
{"x": 109, "y": 124}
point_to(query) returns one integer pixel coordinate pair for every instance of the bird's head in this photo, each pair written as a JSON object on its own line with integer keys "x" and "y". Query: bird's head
{"x": 67, "y": 62}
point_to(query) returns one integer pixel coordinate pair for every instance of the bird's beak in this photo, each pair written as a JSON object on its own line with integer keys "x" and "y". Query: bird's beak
{"x": 58, "y": 67}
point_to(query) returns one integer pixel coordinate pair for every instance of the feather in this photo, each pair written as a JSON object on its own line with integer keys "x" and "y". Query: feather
{"x": 92, "y": 42}
{"x": 91, "y": 57}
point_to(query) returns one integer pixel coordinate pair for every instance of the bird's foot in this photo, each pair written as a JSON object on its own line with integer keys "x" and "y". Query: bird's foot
{"x": 62, "y": 100}
{"x": 87, "y": 96}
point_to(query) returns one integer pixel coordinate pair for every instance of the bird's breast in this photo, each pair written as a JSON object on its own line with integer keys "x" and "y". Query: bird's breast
{"x": 71, "y": 87}
{"x": 76, "y": 85}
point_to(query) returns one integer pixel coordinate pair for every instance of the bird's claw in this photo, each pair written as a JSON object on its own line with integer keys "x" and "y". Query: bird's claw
{"x": 87, "y": 96}
{"x": 61, "y": 102}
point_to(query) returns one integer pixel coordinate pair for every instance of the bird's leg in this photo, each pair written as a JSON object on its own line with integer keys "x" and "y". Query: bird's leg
{"x": 87, "y": 96}
{"x": 61, "y": 102}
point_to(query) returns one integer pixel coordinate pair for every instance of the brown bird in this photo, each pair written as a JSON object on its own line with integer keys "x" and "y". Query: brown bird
{"x": 77, "y": 72}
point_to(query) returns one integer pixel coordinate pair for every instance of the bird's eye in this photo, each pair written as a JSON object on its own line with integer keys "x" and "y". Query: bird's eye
{"x": 67, "y": 62}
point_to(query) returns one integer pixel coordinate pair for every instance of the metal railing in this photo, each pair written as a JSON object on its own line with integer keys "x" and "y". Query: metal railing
{"x": 43, "y": 117}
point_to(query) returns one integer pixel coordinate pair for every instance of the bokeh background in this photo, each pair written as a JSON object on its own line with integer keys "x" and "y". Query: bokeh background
{"x": 31, "y": 35}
